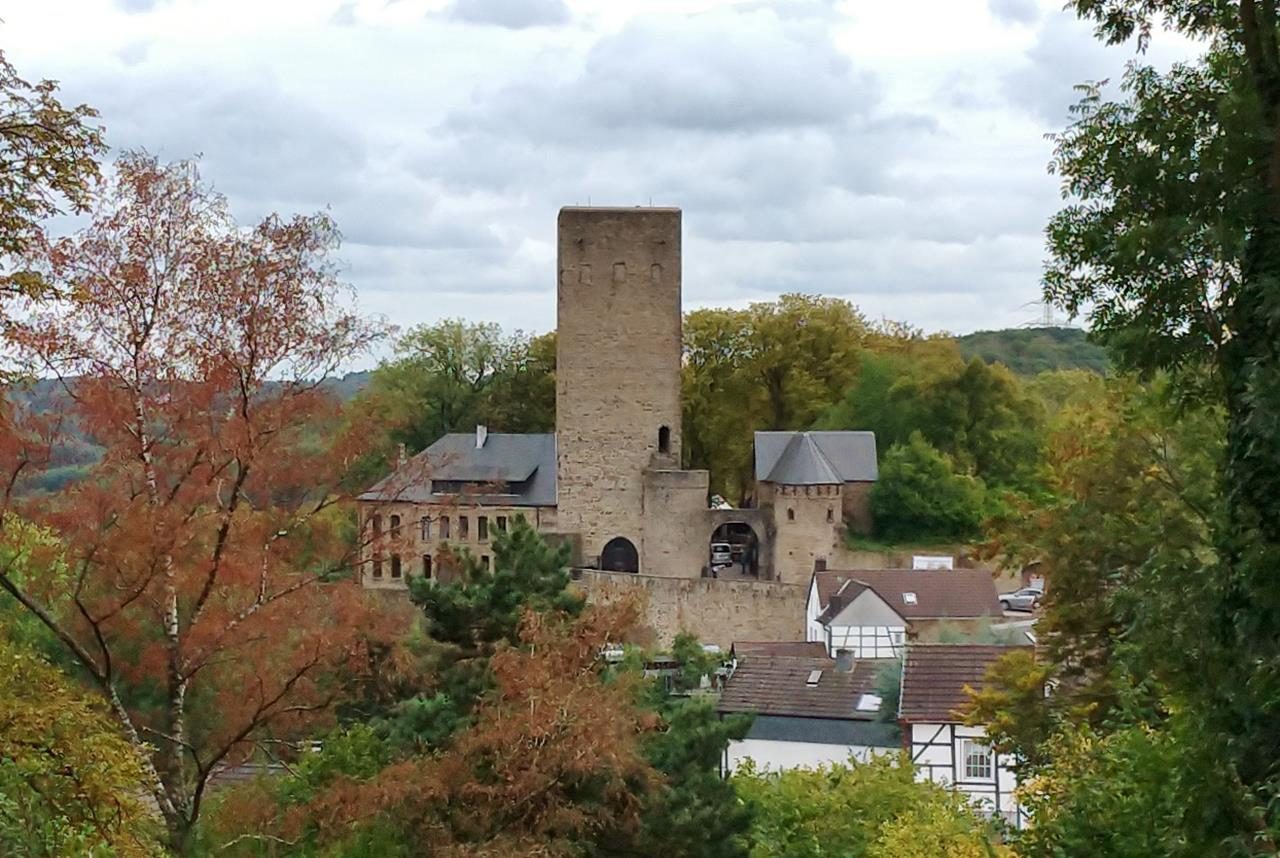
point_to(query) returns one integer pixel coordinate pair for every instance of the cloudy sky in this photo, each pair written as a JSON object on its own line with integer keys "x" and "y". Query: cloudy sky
{"x": 888, "y": 153}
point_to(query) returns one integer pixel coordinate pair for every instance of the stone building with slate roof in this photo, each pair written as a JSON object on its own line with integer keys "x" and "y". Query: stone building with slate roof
{"x": 609, "y": 481}
{"x": 809, "y": 711}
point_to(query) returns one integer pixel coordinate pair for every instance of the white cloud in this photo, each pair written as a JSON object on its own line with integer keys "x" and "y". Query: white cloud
{"x": 814, "y": 145}
{"x": 513, "y": 14}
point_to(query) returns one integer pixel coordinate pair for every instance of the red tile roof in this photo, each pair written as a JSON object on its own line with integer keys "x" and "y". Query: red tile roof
{"x": 940, "y": 593}
{"x": 778, "y": 685}
{"x": 812, "y": 649}
{"x": 935, "y": 676}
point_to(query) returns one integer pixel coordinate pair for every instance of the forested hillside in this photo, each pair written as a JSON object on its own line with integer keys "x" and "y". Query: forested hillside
{"x": 1028, "y": 351}
{"x": 449, "y": 376}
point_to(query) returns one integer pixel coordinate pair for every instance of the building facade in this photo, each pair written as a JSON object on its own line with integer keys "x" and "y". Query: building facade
{"x": 872, "y": 613}
{"x": 937, "y": 681}
{"x": 609, "y": 481}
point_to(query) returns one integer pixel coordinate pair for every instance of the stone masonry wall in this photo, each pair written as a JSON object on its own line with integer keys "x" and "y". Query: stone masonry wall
{"x": 677, "y": 535}
{"x": 617, "y": 365}
{"x": 808, "y": 527}
{"x": 716, "y": 611}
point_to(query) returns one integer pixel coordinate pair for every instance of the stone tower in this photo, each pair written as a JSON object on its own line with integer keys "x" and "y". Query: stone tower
{"x": 617, "y": 372}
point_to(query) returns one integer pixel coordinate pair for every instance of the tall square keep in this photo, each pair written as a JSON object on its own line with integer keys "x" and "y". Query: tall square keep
{"x": 617, "y": 373}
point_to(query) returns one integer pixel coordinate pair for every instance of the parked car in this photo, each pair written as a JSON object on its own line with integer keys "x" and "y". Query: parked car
{"x": 721, "y": 554}
{"x": 1026, "y": 599}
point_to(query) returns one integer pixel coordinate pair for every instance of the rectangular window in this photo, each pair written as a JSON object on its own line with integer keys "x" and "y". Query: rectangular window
{"x": 377, "y": 565}
{"x": 976, "y": 759}
{"x": 482, "y": 528}
{"x": 426, "y": 566}
{"x": 375, "y": 526}
{"x": 464, "y": 527}
{"x": 444, "y": 527}
{"x": 426, "y": 528}
{"x": 395, "y": 566}
{"x": 502, "y": 524}
{"x": 484, "y": 562}
{"x": 395, "y": 527}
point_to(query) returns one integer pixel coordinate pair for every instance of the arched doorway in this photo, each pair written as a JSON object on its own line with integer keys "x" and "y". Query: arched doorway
{"x": 734, "y": 551}
{"x": 619, "y": 555}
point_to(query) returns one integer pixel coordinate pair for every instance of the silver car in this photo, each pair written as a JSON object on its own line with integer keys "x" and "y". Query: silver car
{"x": 1026, "y": 599}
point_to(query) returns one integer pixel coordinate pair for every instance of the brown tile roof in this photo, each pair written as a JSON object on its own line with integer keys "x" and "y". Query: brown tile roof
{"x": 934, "y": 678}
{"x": 813, "y": 649}
{"x": 940, "y": 593}
{"x": 778, "y": 685}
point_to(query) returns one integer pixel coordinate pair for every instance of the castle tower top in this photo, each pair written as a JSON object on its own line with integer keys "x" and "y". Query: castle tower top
{"x": 618, "y": 358}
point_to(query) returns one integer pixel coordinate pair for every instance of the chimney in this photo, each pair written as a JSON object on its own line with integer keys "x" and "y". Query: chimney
{"x": 845, "y": 660}
{"x": 482, "y": 435}
{"x": 402, "y": 456}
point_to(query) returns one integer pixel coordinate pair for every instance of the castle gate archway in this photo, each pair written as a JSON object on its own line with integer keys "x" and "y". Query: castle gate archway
{"x": 620, "y": 555}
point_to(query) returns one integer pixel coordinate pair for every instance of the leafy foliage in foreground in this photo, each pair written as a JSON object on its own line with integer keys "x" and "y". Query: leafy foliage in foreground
{"x": 69, "y": 782}
{"x": 875, "y": 809}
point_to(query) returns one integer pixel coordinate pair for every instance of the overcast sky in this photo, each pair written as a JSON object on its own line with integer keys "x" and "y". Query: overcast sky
{"x": 888, "y": 153}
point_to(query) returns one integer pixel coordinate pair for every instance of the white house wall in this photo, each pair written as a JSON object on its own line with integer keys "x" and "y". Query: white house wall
{"x": 868, "y": 627}
{"x": 813, "y": 630}
{"x": 936, "y": 752}
{"x": 778, "y": 755}
{"x": 866, "y": 641}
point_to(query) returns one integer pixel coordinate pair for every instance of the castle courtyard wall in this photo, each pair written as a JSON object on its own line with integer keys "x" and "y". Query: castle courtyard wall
{"x": 715, "y": 610}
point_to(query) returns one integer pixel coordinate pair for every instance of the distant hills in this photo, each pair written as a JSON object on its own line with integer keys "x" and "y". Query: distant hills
{"x": 1028, "y": 351}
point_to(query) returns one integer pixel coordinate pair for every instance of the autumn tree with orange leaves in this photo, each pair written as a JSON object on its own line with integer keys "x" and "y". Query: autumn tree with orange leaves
{"x": 552, "y": 761}
{"x": 206, "y": 593}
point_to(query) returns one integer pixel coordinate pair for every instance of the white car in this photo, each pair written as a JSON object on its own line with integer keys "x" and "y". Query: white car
{"x": 1026, "y": 599}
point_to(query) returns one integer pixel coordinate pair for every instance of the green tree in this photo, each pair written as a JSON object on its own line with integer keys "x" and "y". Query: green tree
{"x": 938, "y": 830}
{"x": 1131, "y": 500}
{"x": 773, "y": 366}
{"x": 853, "y": 811}
{"x": 48, "y": 159}
{"x": 979, "y": 414}
{"x": 70, "y": 784}
{"x": 1171, "y": 236}
{"x": 920, "y": 495}
{"x": 696, "y": 813}
{"x": 1118, "y": 793}
{"x": 452, "y": 375}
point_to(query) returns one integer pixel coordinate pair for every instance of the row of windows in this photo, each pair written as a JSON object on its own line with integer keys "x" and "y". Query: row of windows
{"x": 443, "y": 525}
{"x": 428, "y": 565}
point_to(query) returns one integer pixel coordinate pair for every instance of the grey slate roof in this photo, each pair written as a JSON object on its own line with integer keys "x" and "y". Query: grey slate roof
{"x": 528, "y": 462}
{"x": 825, "y": 731}
{"x": 816, "y": 458}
